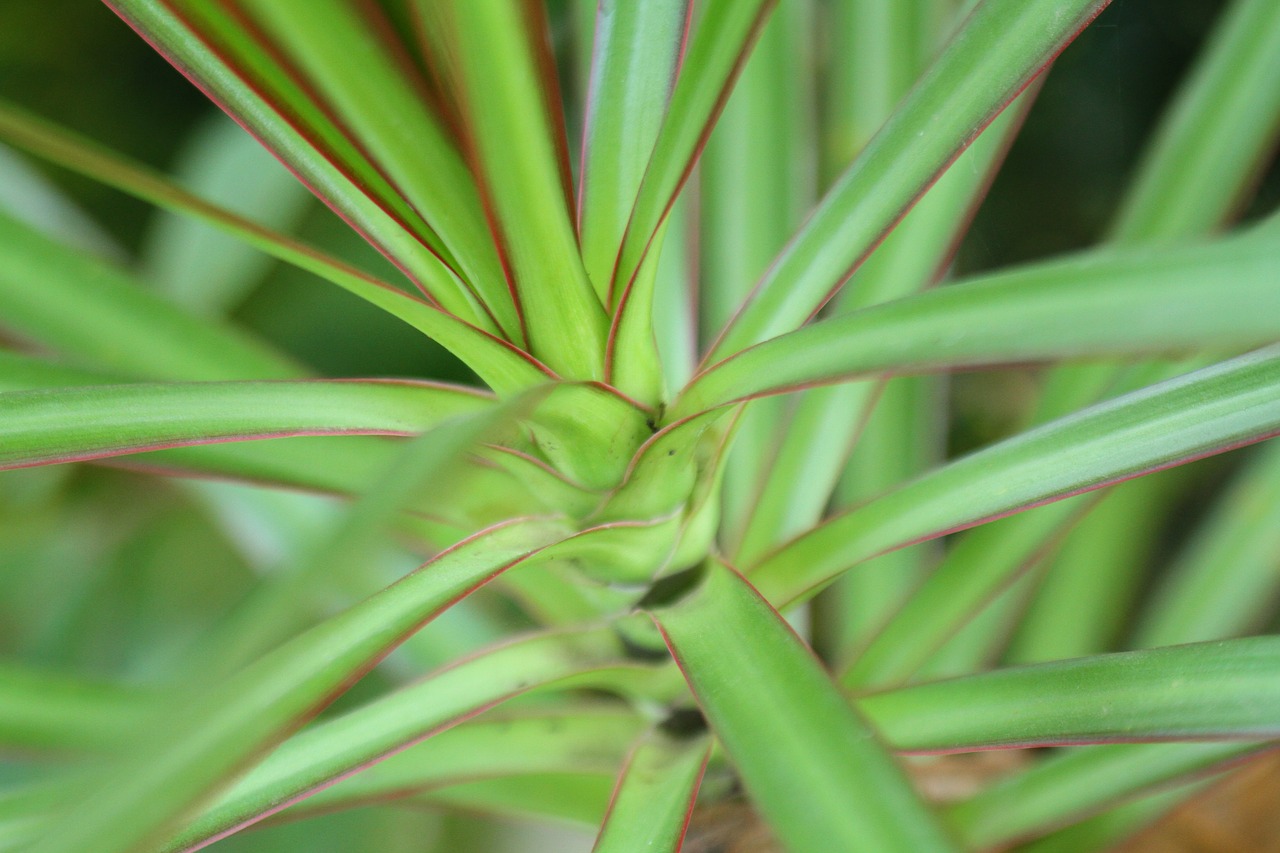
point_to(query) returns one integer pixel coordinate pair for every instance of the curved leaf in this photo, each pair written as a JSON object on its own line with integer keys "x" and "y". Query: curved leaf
{"x": 337, "y": 748}
{"x": 500, "y": 364}
{"x": 190, "y": 750}
{"x": 1138, "y": 300}
{"x": 1207, "y": 411}
{"x": 70, "y": 424}
{"x": 87, "y": 309}
{"x": 1001, "y": 46}
{"x": 574, "y": 739}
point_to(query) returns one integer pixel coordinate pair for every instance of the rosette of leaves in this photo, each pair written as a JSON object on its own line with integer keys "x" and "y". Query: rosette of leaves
{"x": 694, "y": 494}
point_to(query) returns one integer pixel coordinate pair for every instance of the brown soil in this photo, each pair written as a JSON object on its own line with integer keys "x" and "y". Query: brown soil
{"x": 1240, "y": 814}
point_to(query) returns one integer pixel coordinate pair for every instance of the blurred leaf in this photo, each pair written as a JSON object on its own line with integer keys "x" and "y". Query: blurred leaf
{"x": 654, "y": 795}
{"x": 87, "y": 309}
{"x": 574, "y": 739}
{"x": 198, "y": 266}
{"x": 1070, "y": 785}
{"x": 335, "y": 748}
{"x": 191, "y": 750}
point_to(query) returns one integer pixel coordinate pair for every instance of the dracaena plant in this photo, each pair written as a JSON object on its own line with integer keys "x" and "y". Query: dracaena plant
{"x": 678, "y": 533}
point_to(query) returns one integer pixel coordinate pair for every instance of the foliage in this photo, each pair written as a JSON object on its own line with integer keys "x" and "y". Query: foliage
{"x": 681, "y": 549}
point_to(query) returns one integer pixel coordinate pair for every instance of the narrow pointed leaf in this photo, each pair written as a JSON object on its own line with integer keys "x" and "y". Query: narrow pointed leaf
{"x": 1222, "y": 293}
{"x": 1204, "y": 412}
{"x": 654, "y": 796}
{"x": 569, "y": 740}
{"x": 500, "y": 364}
{"x": 63, "y": 425}
{"x": 190, "y": 751}
{"x": 1227, "y": 579}
{"x": 1212, "y": 141}
{"x": 493, "y": 59}
{"x": 206, "y": 44}
{"x": 827, "y": 422}
{"x": 1002, "y": 45}
{"x": 810, "y": 763}
{"x": 634, "y": 62}
{"x": 973, "y": 573}
{"x": 1227, "y": 690}
{"x": 766, "y": 131}
{"x": 97, "y": 313}
{"x": 1076, "y": 783}
{"x": 384, "y": 109}
{"x": 717, "y": 49}
{"x": 338, "y": 747}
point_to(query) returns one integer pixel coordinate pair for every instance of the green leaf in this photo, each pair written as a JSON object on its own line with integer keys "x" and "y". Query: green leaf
{"x": 1001, "y": 47}
{"x": 1204, "y": 412}
{"x": 810, "y": 763}
{"x": 96, "y": 313}
{"x": 633, "y": 68}
{"x": 1227, "y": 690}
{"x": 1216, "y": 135}
{"x": 1225, "y": 581}
{"x": 69, "y": 424}
{"x": 1071, "y": 785}
{"x": 190, "y": 750}
{"x": 334, "y": 748}
{"x": 654, "y": 795}
{"x": 717, "y": 48}
{"x": 383, "y": 110}
{"x": 883, "y": 49}
{"x": 974, "y": 572}
{"x": 291, "y": 596}
{"x": 1084, "y": 600}
{"x": 207, "y": 44}
{"x": 1105, "y": 302}
{"x": 766, "y": 132}
{"x": 577, "y": 800}
{"x": 197, "y": 266}
{"x": 569, "y": 739}
{"x": 827, "y": 422}
{"x": 493, "y": 61}
{"x": 46, "y": 710}
{"x": 498, "y": 363}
